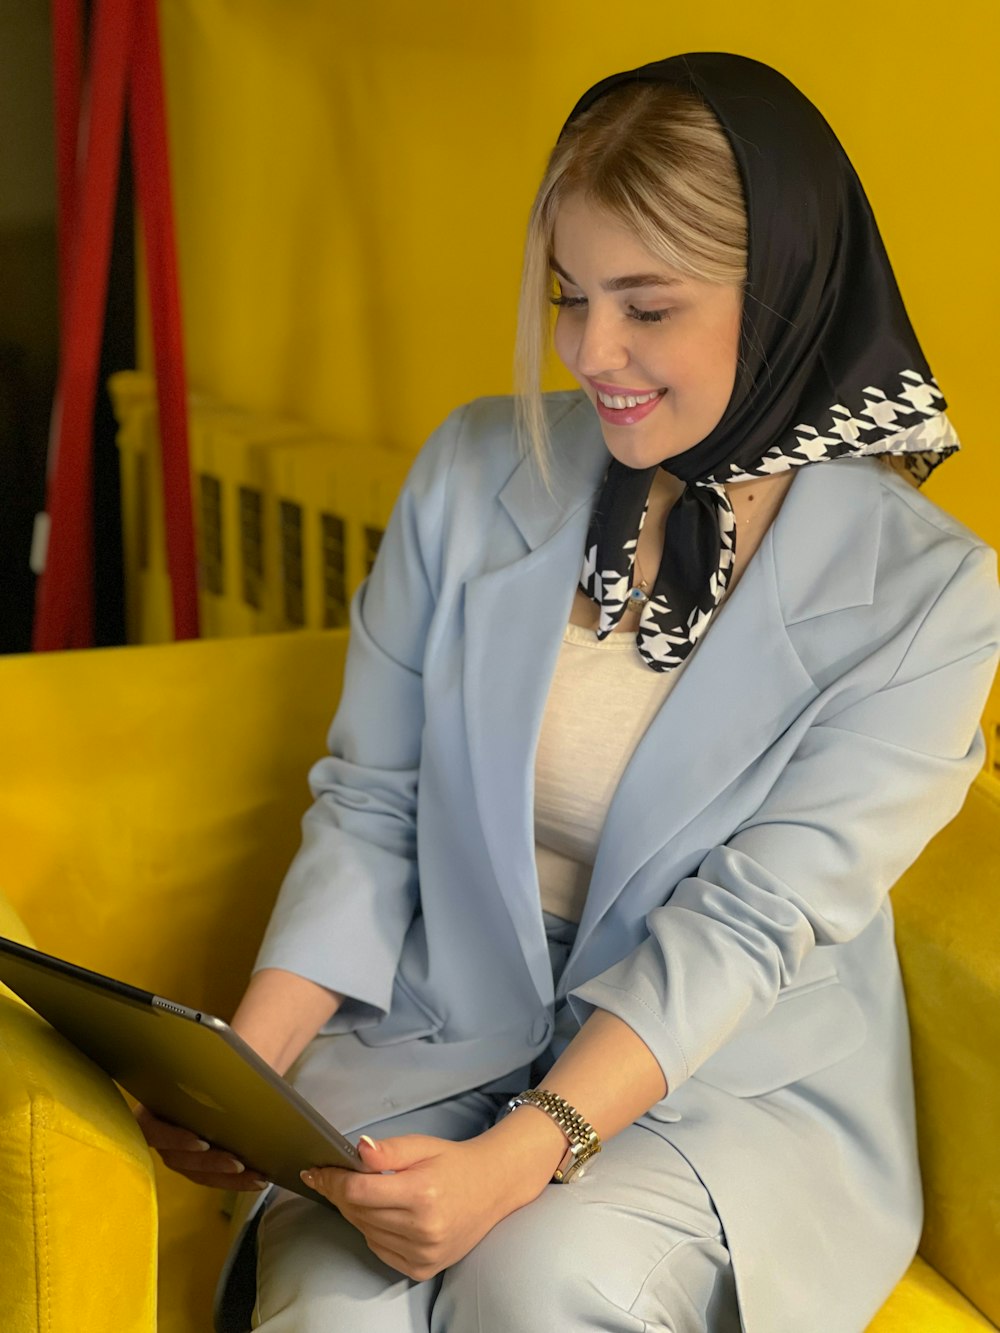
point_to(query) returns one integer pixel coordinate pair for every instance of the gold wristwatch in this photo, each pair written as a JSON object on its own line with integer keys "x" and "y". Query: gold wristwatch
{"x": 583, "y": 1140}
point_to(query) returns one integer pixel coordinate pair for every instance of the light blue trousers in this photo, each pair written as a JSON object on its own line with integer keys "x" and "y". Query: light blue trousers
{"x": 634, "y": 1245}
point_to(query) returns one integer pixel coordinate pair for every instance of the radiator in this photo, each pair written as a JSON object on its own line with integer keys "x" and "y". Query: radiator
{"x": 287, "y": 521}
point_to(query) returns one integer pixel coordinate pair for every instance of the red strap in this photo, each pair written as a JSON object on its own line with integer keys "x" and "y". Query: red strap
{"x": 151, "y": 163}
{"x": 125, "y": 56}
{"x": 64, "y": 609}
{"x": 67, "y": 65}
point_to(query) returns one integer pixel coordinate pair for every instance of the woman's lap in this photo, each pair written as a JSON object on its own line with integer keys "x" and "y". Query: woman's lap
{"x": 634, "y": 1245}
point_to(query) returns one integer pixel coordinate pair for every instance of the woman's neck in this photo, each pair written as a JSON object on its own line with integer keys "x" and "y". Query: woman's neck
{"x": 755, "y": 507}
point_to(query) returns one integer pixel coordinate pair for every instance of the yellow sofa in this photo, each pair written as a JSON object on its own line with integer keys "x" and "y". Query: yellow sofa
{"x": 149, "y": 803}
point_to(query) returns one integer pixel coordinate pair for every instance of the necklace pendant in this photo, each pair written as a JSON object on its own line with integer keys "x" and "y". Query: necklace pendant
{"x": 637, "y": 599}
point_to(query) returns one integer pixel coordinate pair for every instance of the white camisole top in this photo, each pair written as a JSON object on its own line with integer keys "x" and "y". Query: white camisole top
{"x": 603, "y": 697}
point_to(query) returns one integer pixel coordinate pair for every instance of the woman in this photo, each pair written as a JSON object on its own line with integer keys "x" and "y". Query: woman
{"x": 633, "y": 883}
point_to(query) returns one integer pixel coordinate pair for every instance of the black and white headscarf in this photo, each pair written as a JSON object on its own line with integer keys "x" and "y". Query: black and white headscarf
{"x": 832, "y": 367}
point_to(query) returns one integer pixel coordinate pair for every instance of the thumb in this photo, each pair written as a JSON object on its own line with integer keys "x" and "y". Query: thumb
{"x": 396, "y": 1154}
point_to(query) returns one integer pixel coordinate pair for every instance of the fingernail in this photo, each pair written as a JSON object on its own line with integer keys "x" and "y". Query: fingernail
{"x": 370, "y": 1141}
{"x": 308, "y": 1177}
{"x": 261, "y": 1184}
{"x": 201, "y": 1145}
{"x": 235, "y": 1167}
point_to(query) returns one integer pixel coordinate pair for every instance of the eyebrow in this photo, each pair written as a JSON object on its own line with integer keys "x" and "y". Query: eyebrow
{"x": 627, "y": 282}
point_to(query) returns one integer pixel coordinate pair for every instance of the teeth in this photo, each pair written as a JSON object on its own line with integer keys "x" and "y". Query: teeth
{"x": 619, "y": 401}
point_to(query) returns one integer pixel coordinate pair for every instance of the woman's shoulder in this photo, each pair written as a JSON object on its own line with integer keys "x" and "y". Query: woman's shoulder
{"x": 494, "y": 414}
{"x": 858, "y": 520}
{"x": 477, "y": 449}
{"x": 914, "y": 511}
{"x": 924, "y": 548}
{"x": 866, "y": 560}
{"x": 488, "y": 425}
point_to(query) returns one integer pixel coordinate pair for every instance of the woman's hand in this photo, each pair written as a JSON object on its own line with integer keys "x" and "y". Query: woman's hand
{"x": 443, "y": 1197}
{"x": 192, "y": 1157}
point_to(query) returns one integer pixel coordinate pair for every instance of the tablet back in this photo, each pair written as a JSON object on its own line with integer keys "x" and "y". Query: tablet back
{"x": 185, "y": 1066}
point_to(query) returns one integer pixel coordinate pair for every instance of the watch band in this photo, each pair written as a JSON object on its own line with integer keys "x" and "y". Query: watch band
{"x": 584, "y": 1142}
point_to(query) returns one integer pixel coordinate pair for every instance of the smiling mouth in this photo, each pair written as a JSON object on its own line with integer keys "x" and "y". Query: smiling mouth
{"x": 626, "y": 409}
{"x": 619, "y": 400}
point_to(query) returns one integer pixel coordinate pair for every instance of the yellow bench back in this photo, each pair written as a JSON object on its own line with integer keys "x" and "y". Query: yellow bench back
{"x": 150, "y": 800}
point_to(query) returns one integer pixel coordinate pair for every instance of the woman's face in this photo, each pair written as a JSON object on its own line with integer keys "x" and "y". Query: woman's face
{"x": 629, "y": 328}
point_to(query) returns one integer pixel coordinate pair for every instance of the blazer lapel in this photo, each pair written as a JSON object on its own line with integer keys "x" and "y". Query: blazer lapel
{"x": 725, "y": 709}
{"x": 515, "y": 617}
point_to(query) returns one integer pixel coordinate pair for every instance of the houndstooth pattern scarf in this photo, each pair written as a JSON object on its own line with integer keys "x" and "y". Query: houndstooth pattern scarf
{"x": 832, "y": 367}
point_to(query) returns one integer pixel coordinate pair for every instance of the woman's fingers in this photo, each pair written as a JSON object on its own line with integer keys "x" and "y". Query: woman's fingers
{"x": 394, "y": 1220}
{"x": 192, "y": 1157}
{"x": 248, "y": 1181}
{"x": 417, "y": 1255}
{"x": 214, "y": 1162}
{"x": 162, "y": 1135}
{"x": 409, "y": 1265}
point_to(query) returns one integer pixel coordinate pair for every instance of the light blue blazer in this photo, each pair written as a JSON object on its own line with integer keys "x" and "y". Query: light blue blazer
{"x": 738, "y": 918}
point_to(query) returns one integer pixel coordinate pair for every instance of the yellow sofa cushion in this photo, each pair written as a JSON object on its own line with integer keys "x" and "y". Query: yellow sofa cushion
{"x": 73, "y": 1166}
{"x": 924, "y": 1302}
{"x": 949, "y": 944}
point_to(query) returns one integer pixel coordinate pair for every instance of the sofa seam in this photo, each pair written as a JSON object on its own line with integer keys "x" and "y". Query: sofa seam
{"x": 38, "y": 1096}
{"x": 39, "y": 1188}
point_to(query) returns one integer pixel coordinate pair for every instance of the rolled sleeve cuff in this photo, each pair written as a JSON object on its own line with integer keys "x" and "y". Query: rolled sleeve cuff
{"x": 346, "y": 935}
{"x": 645, "y": 1021}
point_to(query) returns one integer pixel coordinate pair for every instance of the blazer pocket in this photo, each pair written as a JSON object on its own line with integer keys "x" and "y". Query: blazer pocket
{"x": 810, "y": 1028}
{"x": 408, "y": 1018}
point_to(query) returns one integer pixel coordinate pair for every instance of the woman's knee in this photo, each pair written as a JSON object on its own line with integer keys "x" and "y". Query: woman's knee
{"x": 579, "y": 1270}
{"x": 532, "y": 1272}
{"x": 315, "y": 1272}
{"x": 515, "y": 1279}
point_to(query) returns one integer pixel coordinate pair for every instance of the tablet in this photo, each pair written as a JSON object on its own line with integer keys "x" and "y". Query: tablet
{"x": 184, "y": 1065}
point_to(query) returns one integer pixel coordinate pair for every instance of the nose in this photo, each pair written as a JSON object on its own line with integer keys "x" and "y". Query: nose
{"x": 602, "y": 346}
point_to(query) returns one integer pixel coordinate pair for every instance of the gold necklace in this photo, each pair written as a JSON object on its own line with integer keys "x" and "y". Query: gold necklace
{"x": 638, "y": 595}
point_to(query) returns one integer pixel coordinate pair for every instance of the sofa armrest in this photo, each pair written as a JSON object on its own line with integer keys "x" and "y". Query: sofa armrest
{"x": 949, "y": 944}
{"x": 77, "y": 1201}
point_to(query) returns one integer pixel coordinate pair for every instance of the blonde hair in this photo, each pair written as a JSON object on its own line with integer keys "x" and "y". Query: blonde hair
{"x": 654, "y": 158}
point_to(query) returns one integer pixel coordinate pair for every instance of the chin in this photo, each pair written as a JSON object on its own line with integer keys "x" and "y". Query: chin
{"x": 636, "y": 453}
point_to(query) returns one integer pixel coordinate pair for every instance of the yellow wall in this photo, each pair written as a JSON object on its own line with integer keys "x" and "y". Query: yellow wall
{"x": 352, "y": 181}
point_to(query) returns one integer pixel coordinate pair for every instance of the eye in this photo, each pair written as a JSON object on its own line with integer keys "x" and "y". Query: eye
{"x": 649, "y": 316}
{"x": 568, "y": 302}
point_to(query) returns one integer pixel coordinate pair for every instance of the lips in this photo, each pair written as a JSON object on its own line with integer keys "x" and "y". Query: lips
{"x": 637, "y": 403}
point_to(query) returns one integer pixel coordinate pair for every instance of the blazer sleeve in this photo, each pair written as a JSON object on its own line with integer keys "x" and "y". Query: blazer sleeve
{"x": 350, "y": 894}
{"x": 867, "y": 787}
